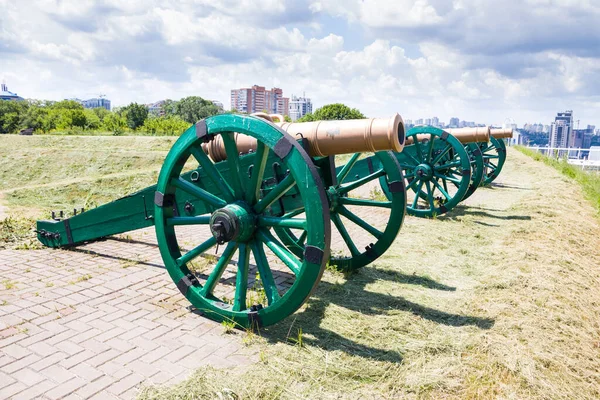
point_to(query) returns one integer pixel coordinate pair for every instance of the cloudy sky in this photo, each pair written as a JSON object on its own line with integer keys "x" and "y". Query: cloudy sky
{"x": 480, "y": 60}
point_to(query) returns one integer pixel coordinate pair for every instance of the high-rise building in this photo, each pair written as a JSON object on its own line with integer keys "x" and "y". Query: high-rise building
{"x": 299, "y": 107}
{"x": 435, "y": 121}
{"x": 258, "y": 99}
{"x": 96, "y": 103}
{"x": 428, "y": 121}
{"x": 419, "y": 121}
{"x": 454, "y": 122}
{"x": 561, "y": 129}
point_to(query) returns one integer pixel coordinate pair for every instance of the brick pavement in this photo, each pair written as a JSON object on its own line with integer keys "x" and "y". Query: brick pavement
{"x": 99, "y": 320}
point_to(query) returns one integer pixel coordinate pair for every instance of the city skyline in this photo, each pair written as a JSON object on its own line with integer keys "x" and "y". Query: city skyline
{"x": 304, "y": 105}
{"x": 464, "y": 58}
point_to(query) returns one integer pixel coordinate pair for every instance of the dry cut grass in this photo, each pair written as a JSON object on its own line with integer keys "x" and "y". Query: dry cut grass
{"x": 497, "y": 300}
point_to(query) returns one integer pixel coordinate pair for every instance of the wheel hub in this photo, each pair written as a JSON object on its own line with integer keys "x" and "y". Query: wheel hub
{"x": 424, "y": 172}
{"x": 232, "y": 222}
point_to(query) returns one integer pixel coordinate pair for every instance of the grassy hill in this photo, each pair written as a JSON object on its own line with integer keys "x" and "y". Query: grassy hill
{"x": 498, "y": 299}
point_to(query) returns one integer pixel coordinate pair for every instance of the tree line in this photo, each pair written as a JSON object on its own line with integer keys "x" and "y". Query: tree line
{"x": 70, "y": 116}
{"x": 176, "y": 116}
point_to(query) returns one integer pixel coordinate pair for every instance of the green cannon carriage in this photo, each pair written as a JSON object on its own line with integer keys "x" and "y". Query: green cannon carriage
{"x": 233, "y": 188}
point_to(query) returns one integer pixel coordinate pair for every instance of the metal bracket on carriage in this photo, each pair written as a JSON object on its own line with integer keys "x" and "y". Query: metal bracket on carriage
{"x": 47, "y": 234}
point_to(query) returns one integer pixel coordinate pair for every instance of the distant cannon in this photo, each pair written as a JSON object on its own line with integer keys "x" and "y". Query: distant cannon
{"x": 445, "y": 167}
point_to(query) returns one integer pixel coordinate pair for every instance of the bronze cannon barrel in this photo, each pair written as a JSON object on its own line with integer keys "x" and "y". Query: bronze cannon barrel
{"x": 464, "y": 135}
{"x": 501, "y": 133}
{"x": 471, "y": 135}
{"x": 327, "y": 138}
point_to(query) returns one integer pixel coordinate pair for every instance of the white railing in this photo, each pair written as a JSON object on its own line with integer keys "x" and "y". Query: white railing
{"x": 585, "y": 158}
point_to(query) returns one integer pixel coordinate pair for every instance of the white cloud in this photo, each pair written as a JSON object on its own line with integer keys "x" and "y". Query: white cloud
{"x": 465, "y": 58}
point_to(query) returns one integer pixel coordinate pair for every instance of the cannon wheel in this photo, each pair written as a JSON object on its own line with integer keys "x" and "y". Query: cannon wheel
{"x": 477, "y": 168}
{"x": 344, "y": 195}
{"x": 242, "y": 199}
{"x": 494, "y": 155}
{"x": 439, "y": 165}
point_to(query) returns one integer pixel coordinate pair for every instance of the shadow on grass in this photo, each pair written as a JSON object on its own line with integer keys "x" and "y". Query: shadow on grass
{"x": 505, "y": 186}
{"x": 462, "y": 210}
{"x": 353, "y": 296}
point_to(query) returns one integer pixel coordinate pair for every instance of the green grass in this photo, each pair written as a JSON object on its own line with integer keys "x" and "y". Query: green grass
{"x": 17, "y": 232}
{"x": 590, "y": 182}
{"x": 43, "y": 173}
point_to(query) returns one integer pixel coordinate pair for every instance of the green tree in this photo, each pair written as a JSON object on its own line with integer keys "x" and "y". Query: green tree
{"x": 36, "y": 117}
{"x": 331, "y": 112}
{"x": 194, "y": 108}
{"x": 166, "y": 125}
{"x": 101, "y": 112}
{"x": 67, "y": 104}
{"x": 169, "y": 107}
{"x": 11, "y": 114}
{"x": 92, "y": 121}
{"x": 135, "y": 115}
{"x": 114, "y": 123}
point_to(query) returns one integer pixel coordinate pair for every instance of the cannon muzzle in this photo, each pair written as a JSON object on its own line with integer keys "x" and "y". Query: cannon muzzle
{"x": 328, "y": 138}
{"x": 501, "y": 133}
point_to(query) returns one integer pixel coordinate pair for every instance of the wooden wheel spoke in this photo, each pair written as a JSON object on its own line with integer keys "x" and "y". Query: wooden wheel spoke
{"x": 411, "y": 184}
{"x": 282, "y": 187}
{"x": 266, "y": 276}
{"x": 220, "y": 267}
{"x": 282, "y": 222}
{"x": 196, "y": 251}
{"x": 241, "y": 279}
{"x": 212, "y": 172}
{"x": 417, "y": 191}
{"x": 258, "y": 170}
{"x": 294, "y": 213}
{"x": 449, "y": 165}
{"x": 443, "y": 191}
{"x": 280, "y": 251}
{"x": 418, "y": 149}
{"x": 233, "y": 162}
{"x": 360, "y": 222}
{"x": 199, "y": 220}
{"x": 351, "y": 201}
{"x": 448, "y": 178}
{"x": 344, "y": 233}
{"x": 341, "y": 176}
{"x": 430, "y": 195}
{"x": 359, "y": 182}
{"x": 442, "y": 154}
{"x": 430, "y": 147}
{"x": 199, "y": 193}
{"x": 302, "y": 238}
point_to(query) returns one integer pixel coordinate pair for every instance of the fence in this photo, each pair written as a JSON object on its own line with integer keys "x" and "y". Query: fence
{"x": 587, "y": 159}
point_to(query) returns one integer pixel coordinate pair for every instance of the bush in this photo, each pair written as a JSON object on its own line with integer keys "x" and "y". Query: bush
{"x": 167, "y": 125}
